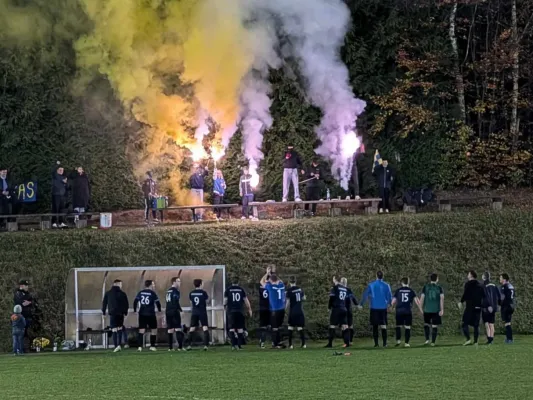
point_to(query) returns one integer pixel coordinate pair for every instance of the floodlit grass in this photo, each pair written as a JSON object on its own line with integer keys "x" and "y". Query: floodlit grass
{"x": 448, "y": 371}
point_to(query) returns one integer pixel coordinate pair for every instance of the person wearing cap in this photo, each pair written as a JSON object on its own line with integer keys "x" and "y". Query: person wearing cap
{"x": 5, "y": 195}
{"x": 197, "y": 182}
{"x": 149, "y": 188}
{"x": 291, "y": 165}
{"x": 59, "y": 194}
{"x": 24, "y": 299}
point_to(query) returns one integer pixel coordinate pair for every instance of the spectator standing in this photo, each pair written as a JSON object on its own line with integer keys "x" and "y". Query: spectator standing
{"x": 197, "y": 182}
{"x": 385, "y": 176}
{"x": 25, "y": 300}
{"x": 18, "y": 325}
{"x": 246, "y": 193}
{"x": 5, "y": 195}
{"x": 291, "y": 164}
{"x": 313, "y": 187}
{"x": 149, "y": 189}
{"x": 219, "y": 188}
{"x": 81, "y": 190}
{"x": 59, "y": 193}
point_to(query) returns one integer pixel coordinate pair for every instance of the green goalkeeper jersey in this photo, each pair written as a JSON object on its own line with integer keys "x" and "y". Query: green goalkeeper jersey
{"x": 432, "y": 292}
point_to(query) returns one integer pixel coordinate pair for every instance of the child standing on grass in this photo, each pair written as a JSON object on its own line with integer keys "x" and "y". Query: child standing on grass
{"x": 219, "y": 188}
{"x": 18, "y": 324}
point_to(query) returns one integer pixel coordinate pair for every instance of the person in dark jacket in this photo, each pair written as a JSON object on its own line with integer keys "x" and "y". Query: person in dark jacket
{"x": 492, "y": 297}
{"x": 24, "y": 299}
{"x": 473, "y": 298}
{"x": 197, "y": 182}
{"x": 5, "y": 195}
{"x": 219, "y": 189}
{"x": 59, "y": 194}
{"x": 18, "y": 325}
{"x": 246, "y": 193}
{"x": 81, "y": 190}
{"x": 291, "y": 164}
{"x": 116, "y": 303}
{"x": 149, "y": 188}
{"x": 313, "y": 187}
{"x": 385, "y": 176}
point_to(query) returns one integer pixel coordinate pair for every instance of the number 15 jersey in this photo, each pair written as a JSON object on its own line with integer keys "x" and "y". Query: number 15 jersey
{"x": 404, "y": 300}
{"x": 199, "y": 299}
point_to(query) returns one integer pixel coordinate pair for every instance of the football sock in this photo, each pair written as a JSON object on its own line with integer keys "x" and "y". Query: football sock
{"x": 490, "y": 339}
{"x": 384, "y": 336}
{"x": 233, "y": 337}
{"x": 466, "y": 332}
{"x": 240, "y": 339}
{"x": 278, "y": 337}
{"x": 398, "y": 333}
{"x": 426, "y": 332}
{"x": 476, "y": 333}
{"x": 375, "y": 334}
{"x": 140, "y": 337}
{"x": 189, "y": 338}
{"x": 152, "y": 340}
{"x": 290, "y": 337}
{"x": 206, "y": 338}
{"x": 346, "y": 337}
{"x": 407, "y": 335}
{"x": 170, "y": 340}
{"x": 331, "y": 336}
{"x": 302, "y": 337}
{"x": 352, "y": 332}
{"x": 434, "y": 334}
{"x": 179, "y": 337}
{"x": 509, "y": 332}
{"x": 115, "y": 339}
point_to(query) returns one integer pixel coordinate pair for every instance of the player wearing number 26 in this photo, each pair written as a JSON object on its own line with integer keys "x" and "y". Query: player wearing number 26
{"x": 380, "y": 295}
{"x": 147, "y": 301}
{"x": 234, "y": 300}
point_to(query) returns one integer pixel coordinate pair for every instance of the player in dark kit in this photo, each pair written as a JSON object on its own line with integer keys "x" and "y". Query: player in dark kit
{"x": 276, "y": 298}
{"x": 295, "y": 297}
{"x": 173, "y": 314}
{"x": 147, "y": 300}
{"x": 199, "y": 299}
{"x": 403, "y": 301}
{"x": 234, "y": 299}
{"x": 473, "y": 297}
{"x": 116, "y": 302}
{"x": 264, "y": 314}
{"x": 507, "y": 304}
{"x": 350, "y": 300}
{"x": 338, "y": 313}
{"x": 492, "y": 299}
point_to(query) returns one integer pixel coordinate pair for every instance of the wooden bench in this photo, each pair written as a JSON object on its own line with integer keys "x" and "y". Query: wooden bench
{"x": 43, "y": 220}
{"x": 445, "y": 205}
{"x": 193, "y": 208}
{"x": 371, "y": 206}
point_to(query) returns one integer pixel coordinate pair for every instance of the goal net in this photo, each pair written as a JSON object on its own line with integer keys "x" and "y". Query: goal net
{"x": 84, "y": 321}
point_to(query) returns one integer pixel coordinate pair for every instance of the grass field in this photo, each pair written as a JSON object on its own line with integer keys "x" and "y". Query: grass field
{"x": 448, "y": 371}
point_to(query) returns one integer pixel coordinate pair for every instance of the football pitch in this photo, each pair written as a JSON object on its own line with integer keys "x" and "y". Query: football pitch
{"x": 448, "y": 371}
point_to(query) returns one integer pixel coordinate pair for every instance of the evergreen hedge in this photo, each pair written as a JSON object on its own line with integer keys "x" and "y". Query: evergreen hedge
{"x": 314, "y": 250}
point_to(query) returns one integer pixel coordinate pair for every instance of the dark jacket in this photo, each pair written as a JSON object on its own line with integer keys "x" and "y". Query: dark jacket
{"x": 312, "y": 172}
{"x": 385, "y": 176}
{"x": 20, "y": 297}
{"x": 149, "y": 188}
{"x": 8, "y": 186}
{"x": 59, "y": 188}
{"x": 474, "y": 295}
{"x": 116, "y": 302}
{"x": 292, "y": 160}
{"x": 197, "y": 179}
{"x": 81, "y": 191}
{"x": 245, "y": 186}
{"x": 492, "y": 296}
{"x": 18, "y": 324}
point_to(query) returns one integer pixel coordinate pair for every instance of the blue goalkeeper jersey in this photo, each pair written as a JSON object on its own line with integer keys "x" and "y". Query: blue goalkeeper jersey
{"x": 276, "y": 295}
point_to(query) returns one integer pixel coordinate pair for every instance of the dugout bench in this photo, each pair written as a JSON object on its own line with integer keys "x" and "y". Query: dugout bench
{"x": 445, "y": 205}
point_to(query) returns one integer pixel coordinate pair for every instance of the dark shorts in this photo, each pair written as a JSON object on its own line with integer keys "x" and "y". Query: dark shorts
{"x": 236, "y": 320}
{"x": 147, "y": 322}
{"x": 276, "y": 318}
{"x": 173, "y": 321}
{"x": 338, "y": 317}
{"x": 432, "y": 319}
{"x": 296, "y": 320}
{"x": 378, "y": 317}
{"x": 471, "y": 317}
{"x": 349, "y": 317}
{"x": 404, "y": 319}
{"x": 116, "y": 321}
{"x": 488, "y": 317}
{"x": 197, "y": 320}
{"x": 507, "y": 314}
{"x": 264, "y": 318}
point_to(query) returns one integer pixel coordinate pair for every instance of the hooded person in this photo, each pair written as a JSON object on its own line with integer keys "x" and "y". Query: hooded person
{"x": 314, "y": 175}
{"x": 197, "y": 182}
{"x": 18, "y": 325}
{"x": 81, "y": 190}
{"x": 385, "y": 176}
{"x": 291, "y": 165}
{"x": 149, "y": 188}
{"x": 59, "y": 193}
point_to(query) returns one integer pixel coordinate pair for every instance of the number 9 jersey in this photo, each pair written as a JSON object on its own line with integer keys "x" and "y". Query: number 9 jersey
{"x": 199, "y": 299}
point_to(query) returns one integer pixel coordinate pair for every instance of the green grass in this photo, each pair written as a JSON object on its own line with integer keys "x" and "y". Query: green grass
{"x": 448, "y": 371}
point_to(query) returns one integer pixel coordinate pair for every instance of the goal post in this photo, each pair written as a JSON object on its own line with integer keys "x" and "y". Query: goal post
{"x": 86, "y": 288}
